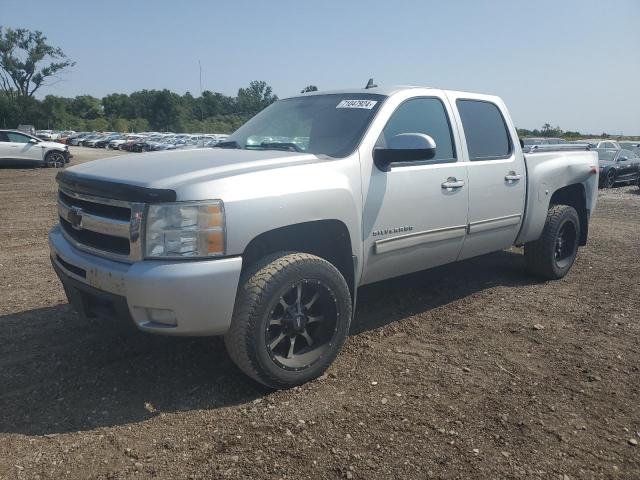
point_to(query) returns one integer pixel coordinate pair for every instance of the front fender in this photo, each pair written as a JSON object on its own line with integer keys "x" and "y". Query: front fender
{"x": 265, "y": 200}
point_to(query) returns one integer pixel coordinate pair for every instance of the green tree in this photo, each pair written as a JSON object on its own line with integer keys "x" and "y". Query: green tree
{"x": 139, "y": 125}
{"x": 309, "y": 88}
{"x": 21, "y": 52}
{"x": 255, "y": 97}
{"x": 97, "y": 125}
{"x": 87, "y": 107}
{"x": 549, "y": 131}
{"x": 139, "y": 111}
{"x": 119, "y": 125}
{"x": 118, "y": 105}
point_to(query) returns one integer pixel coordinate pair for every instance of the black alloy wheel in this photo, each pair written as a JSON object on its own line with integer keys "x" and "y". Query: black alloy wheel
{"x": 54, "y": 160}
{"x": 611, "y": 179}
{"x": 566, "y": 245}
{"x": 302, "y": 325}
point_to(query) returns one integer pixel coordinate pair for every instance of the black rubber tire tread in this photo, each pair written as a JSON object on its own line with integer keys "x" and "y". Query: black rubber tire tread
{"x": 256, "y": 287}
{"x": 539, "y": 254}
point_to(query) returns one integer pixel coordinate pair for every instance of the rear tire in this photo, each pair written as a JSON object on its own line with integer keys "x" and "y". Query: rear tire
{"x": 291, "y": 317}
{"x": 553, "y": 254}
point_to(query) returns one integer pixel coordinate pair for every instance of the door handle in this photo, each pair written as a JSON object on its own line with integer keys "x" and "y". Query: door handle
{"x": 512, "y": 177}
{"x": 452, "y": 183}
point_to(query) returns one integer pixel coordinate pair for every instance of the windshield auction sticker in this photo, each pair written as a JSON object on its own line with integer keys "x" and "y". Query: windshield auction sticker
{"x": 366, "y": 104}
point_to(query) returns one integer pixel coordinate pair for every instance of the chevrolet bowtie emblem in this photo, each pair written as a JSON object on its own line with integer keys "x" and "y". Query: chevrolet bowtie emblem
{"x": 75, "y": 217}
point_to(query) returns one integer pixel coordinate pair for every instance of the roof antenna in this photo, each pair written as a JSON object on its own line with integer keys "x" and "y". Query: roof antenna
{"x": 370, "y": 84}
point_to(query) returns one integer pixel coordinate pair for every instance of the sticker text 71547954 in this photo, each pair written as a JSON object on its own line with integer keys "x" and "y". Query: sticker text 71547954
{"x": 367, "y": 104}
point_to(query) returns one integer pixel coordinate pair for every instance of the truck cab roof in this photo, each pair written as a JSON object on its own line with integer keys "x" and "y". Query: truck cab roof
{"x": 388, "y": 91}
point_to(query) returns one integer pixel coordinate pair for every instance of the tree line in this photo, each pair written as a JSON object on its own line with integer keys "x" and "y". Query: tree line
{"x": 145, "y": 110}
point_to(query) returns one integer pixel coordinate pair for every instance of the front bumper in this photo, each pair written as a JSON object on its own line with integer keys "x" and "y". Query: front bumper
{"x": 194, "y": 297}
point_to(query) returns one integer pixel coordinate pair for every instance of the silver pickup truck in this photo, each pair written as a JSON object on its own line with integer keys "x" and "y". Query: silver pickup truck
{"x": 266, "y": 239}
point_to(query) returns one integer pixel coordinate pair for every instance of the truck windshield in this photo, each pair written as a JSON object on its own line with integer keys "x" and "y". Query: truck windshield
{"x": 331, "y": 124}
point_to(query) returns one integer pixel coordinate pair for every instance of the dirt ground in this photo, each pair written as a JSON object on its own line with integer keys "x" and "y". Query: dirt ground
{"x": 444, "y": 375}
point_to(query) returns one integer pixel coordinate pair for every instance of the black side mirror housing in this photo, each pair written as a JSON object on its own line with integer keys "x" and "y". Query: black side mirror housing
{"x": 405, "y": 147}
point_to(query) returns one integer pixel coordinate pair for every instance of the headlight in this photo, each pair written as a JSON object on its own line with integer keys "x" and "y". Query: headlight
{"x": 185, "y": 230}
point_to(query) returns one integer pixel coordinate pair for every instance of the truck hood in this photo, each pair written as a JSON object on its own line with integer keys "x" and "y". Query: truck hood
{"x": 178, "y": 168}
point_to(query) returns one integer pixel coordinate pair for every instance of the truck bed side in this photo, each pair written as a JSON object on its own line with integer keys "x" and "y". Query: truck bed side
{"x": 548, "y": 172}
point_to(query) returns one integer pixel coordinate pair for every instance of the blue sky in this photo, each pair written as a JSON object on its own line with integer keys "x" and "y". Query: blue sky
{"x": 573, "y": 63}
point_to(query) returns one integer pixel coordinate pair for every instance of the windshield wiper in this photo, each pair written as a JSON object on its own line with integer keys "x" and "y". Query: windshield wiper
{"x": 227, "y": 144}
{"x": 287, "y": 146}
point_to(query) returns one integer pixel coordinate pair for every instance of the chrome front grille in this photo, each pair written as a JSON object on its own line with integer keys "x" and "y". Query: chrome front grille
{"x": 101, "y": 226}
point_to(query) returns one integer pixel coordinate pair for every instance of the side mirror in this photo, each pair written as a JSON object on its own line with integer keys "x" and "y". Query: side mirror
{"x": 405, "y": 147}
{"x": 623, "y": 159}
{"x": 33, "y": 140}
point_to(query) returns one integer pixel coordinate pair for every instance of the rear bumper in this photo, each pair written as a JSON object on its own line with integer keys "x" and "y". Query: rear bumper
{"x": 171, "y": 298}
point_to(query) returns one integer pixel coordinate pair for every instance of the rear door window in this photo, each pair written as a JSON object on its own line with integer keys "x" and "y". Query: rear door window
{"x": 485, "y": 130}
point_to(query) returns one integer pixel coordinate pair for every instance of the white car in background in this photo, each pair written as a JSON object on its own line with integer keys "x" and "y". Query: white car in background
{"x": 21, "y": 149}
{"x": 115, "y": 144}
{"x": 45, "y": 134}
{"x": 600, "y": 143}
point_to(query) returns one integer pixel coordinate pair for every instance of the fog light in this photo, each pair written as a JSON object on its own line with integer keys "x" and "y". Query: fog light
{"x": 162, "y": 315}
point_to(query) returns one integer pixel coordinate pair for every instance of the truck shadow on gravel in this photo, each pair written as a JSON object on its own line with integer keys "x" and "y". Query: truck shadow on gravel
{"x": 63, "y": 373}
{"x": 391, "y": 300}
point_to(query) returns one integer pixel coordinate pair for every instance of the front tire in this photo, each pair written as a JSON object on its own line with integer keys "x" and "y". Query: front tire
{"x": 54, "y": 159}
{"x": 553, "y": 254}
{"x": 291, "y": 317}
{"x": 610, "y": 180}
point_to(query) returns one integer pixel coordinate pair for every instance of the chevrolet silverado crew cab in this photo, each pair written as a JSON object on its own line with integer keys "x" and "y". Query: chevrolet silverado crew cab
{"x": 266, "y": 237}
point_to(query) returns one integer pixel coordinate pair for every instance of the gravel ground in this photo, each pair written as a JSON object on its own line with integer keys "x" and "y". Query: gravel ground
{"x": 473, "y": 370}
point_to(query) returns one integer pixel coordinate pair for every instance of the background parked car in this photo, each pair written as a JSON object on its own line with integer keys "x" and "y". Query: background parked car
{"x": 618, "y": 166}
{"x": 20, "y": 149}
{"x": 30, "y": 129}
{"x": 77, "y": 139}
{"x": 117, "y": 142}
{"x": 102, "y": 142}
{"x": 89, "y": 140}
{"x": 629, "y": 145}
{"x": 530, "y": 141}
{"x": 46, "y": 134}
{"x": 599, "y": 143}
{"x": 134, "y": 142}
